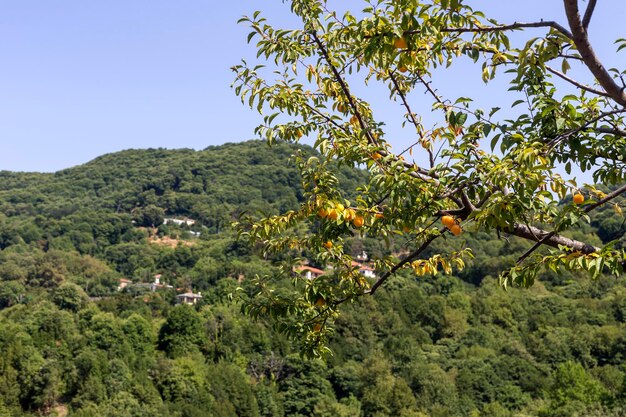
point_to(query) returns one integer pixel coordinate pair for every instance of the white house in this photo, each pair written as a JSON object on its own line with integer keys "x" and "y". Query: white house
{"x": 189, "y": 298}
{"x": 123, "y": 283}
{"x": 309, "y": 272}
{"x": 365, "y": 270}
{"x": 179, "y": 222}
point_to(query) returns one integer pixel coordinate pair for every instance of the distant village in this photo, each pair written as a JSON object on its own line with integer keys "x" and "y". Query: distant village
{"x": 189, "y": 297}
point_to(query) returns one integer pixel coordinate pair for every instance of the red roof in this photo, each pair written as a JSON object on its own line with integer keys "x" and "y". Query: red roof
{"x": 309, "y": 268}
{"x": 362, "y": 267}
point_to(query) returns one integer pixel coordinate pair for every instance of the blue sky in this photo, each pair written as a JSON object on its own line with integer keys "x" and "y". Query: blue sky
{"x": 82, "y": 78}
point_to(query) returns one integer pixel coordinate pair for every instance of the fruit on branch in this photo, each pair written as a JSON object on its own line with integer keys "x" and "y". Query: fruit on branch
{"x": 448, "y": 221}
{"x": 358, "y": 221}
{"x": 579, "y": 198}
{"x": 456, "y": 229}
{"x": 400, "y": 43}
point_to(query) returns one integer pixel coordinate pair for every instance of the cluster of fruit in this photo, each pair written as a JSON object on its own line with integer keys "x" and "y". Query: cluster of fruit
{"x": 452, "y": 224}
{"x": 338, "y": 210}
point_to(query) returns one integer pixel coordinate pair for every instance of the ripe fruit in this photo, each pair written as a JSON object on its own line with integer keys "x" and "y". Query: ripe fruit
{"x": 322, "y": 212}
{"x": 341, "y": 108}
{"x": 456, "y": 229}
{"x": 328, "y": 244}
{"x": 448, "y": 221}
{"x": 403, "y": 69}
{"x": 298, "y": 134}
{"x": 317, "y": 327}
{"x": 358, "y": 221}
{"x": 349, "y": 214}
{"x": 400, "y": 43}
{"x": 320, "y": 302}
{"x": 579, "y": 198}
{"x": 376, "y": 156}
{"x": 354, "y": 120}
{"x": 333, "y": 214}
{"x": 379, "y": 215}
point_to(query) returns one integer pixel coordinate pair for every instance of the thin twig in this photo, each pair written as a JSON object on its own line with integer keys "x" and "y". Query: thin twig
{"x": 412, "y": 117}
{"x": 406, "y": 260}
{"x": 588, "y": 13}
{"x": 611, "y": 131}
{"x": 606, "y": 199}
{"x": 576, "y": 83}
{"x": 501, "y": 28}
{"x": 344, "y": 87}
{"x": 555, "y": 141}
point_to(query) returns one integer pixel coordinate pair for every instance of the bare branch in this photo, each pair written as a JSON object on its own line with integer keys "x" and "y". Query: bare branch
{"x": 552, "y": 235}
{"x": 576, "y": 83}
{"x": 554, "y": 142}
{"x": 534, "y": 247}
{"x": 591, "y": 60}
{"x": 413, "y": 256}
{"x": 344, "y": 87}
{"x": 502, "y": 28}
{"x": 431, "y": 158}
{"x": 431, "y": 91}
{"x": 606, "y": 199}
{"x": 588, "y": 13}
{"x": 551, "y": 238}
{"x": 611, "y": 131}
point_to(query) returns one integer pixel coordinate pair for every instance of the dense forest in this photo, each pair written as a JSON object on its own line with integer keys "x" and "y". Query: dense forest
{"x": 72, "y": 343}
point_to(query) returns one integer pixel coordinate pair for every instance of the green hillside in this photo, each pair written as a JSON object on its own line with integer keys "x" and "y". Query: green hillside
{"x": 71, "y": 344}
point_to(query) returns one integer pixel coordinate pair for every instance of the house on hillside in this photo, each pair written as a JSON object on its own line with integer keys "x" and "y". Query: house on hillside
{"x": 123, "y": 283}
{"x": 309, "y": 272}
{"x": 365, "y": 270}
{"x": 362, "y": 257}
{"x": 156, "y": 285}
{"x": 186, "y": 221}
{"x": 189, "y": 298}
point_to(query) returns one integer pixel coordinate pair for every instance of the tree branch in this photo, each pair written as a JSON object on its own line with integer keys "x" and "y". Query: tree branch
{"x": 611, "y": 131}
{"x": 501, "y": 28}
{"x": 609, "y": 197}
{"x": 550, "y": 238}
{"x": 588, "y": 13}
{"x": 414, "y": 255}
{"x": 431, "y": 158}
{"x": 555, "y": 141}
{"x": 344, "y": 87}
{"x": 591, "y": 60}
{"x": 585, "y": 248}
{"x": 576, "y": 83}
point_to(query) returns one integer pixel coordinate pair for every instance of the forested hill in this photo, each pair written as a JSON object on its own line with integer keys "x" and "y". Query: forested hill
{"x": 205, "y": 184}
{"x": 73, "y": 344}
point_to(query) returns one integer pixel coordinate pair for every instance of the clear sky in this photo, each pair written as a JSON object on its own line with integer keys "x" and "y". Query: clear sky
{"x": 82, "y": 78}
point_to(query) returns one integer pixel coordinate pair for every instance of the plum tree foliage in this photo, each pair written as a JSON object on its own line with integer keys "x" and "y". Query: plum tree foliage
{"x": 512, "y": 174}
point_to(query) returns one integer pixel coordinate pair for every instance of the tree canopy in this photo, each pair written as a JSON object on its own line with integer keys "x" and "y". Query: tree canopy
{"x": 445, "y": 345}
{"x": 511, "y": 172}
